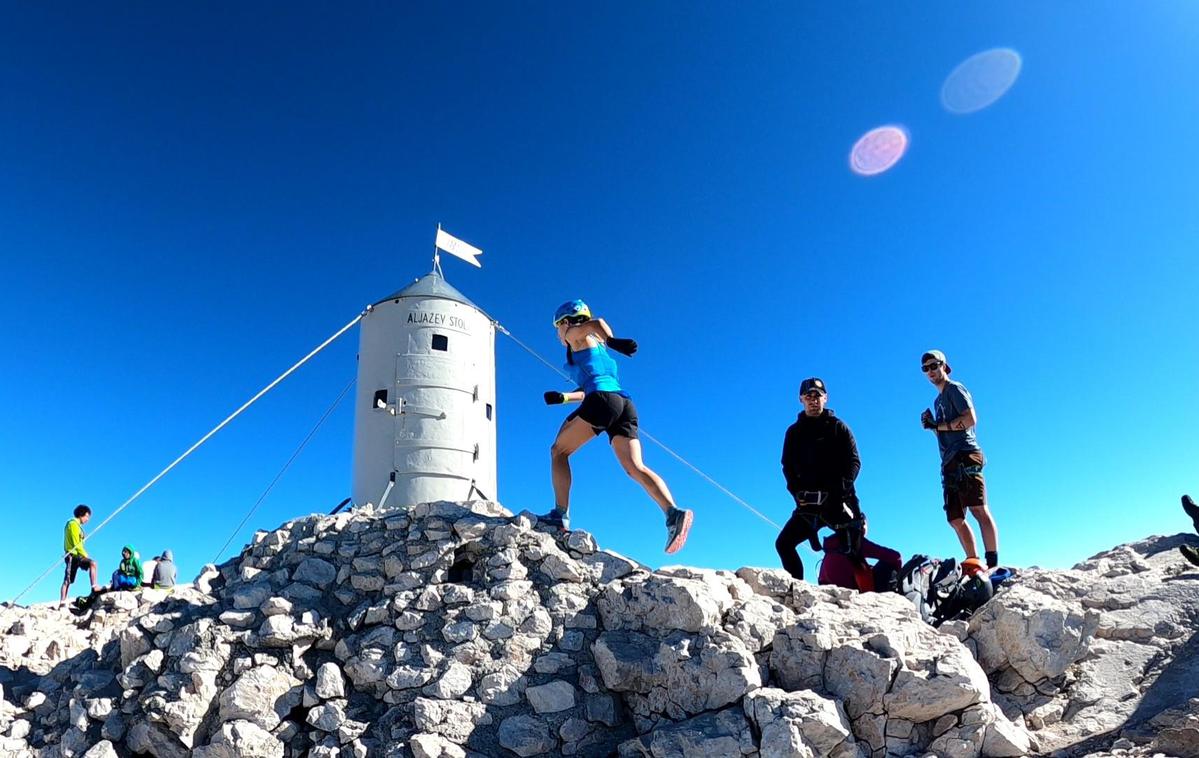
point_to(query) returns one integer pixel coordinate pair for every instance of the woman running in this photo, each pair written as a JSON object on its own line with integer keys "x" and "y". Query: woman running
{"x": 606, "y": 407}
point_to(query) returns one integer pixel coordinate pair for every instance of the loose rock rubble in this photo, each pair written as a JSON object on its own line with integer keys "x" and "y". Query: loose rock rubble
{"x": 451, "y": 630}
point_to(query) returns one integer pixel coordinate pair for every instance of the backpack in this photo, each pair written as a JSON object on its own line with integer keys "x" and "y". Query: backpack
{"x": 939, "y": 589}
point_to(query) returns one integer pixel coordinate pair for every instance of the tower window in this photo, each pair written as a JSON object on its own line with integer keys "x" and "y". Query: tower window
{"x": 441, "y": 342}
{"x": 489, "y": 411}
{"x": 380, "y": 399}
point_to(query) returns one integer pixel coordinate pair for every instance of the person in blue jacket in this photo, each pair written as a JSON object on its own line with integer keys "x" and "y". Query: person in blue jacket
{"x": 605, "y": 407}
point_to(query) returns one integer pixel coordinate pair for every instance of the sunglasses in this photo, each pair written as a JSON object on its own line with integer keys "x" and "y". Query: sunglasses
{"x": 930, "y": 366}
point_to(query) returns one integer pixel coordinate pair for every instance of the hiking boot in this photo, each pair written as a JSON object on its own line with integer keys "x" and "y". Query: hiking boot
{"x": 1191, "y": 553}
{"x": 556, "y": 518}
{"x": 678, "y": 523}
{"x": 1191, "y": 509}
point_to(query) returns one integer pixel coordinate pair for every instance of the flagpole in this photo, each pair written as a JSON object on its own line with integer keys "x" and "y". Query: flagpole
{"x": 437, "y": 254}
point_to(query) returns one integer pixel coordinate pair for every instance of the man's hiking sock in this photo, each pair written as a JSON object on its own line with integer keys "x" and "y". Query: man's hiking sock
{"x": 992, "y": 557}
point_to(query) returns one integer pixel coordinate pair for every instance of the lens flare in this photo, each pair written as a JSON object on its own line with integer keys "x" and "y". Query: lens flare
{"x": 980, "y": 80}
{"x": 878, "y": 150}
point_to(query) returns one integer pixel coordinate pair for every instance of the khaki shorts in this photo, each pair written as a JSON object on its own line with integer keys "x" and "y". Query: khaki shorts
{"x": 963, "y": 484}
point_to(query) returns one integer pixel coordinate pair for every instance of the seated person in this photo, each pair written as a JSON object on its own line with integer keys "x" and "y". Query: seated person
{"x": 128, "y": 575}
{"x": 841, "y": 569}
{"x": 164, "y": 571}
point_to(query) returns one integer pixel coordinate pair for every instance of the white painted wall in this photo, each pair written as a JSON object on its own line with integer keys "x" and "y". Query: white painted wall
{"x": 437, "y": 434}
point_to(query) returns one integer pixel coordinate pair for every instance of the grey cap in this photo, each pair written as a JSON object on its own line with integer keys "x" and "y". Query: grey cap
{"x": 936, "y": 355}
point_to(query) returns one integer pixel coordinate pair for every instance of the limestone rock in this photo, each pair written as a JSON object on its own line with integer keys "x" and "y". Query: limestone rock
{"x": 434, "y": 746}
{"x": 502, "y": 687}
{"x": 241, "y": 739}
{"x": 102, "y": 749}
{"x": 263, "y": 695}
{"x": 722, "y": 734}
{"x": 663, "y": 603}
{"x": 453, "y": 683}
{"x": 330, "y": 683}
{"x": 526, "y": 735}
{"x": 1035, "y": 634}
{"x": 316, "y": 572}
{"x": 452, "y": 719}
{"x": 799, "y": 723}
{"x": 551, "y": 698}
{"x": 327, "y": 717}
{"x": 872, "y": 652}
{"x": 677, "y": 676}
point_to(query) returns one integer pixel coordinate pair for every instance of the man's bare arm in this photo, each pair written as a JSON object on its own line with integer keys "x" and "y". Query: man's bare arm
{"x": 959, "y": 424}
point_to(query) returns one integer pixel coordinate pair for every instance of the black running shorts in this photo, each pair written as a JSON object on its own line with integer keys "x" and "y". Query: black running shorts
{"x": 73, "y": 564}
{"x": 609, "y": 412}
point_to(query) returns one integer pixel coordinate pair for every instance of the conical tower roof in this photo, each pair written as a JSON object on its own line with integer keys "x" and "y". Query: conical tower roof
{"x": 431, "y": 285}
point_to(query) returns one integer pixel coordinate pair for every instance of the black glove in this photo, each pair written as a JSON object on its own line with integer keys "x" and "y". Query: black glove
{"x": 554, "y": 398}
{"x": 622, "y": 346}
{"x": 927, "y": 421}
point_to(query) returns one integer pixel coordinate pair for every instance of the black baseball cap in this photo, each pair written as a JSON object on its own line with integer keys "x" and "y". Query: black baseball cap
{"x": 807, "y": 385}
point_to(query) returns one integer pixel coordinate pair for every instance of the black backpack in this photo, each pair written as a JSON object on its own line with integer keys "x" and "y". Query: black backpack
{"x": 934, "y": 586}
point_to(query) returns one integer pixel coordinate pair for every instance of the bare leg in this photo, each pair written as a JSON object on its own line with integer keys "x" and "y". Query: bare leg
{"x": 92, "y": 573}
{"x": 965, "y": 536}
{"x": 573, "y": 434}
{"x": 986, "y": 525}
{"x": 62, "y": 597}
{"x": 628, "y": 452}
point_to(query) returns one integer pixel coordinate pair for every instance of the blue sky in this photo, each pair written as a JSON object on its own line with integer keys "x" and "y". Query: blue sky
{"x": 191, "y": 198}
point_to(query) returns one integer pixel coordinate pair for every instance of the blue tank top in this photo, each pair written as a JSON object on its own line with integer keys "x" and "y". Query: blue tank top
{"x": 594, "y": 370}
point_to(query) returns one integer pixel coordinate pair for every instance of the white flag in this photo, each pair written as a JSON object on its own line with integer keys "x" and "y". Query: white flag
{"x": 458, "y": 248}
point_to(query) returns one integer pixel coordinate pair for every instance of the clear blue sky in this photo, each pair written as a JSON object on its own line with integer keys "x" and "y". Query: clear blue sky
{"x": 191, "y": 198}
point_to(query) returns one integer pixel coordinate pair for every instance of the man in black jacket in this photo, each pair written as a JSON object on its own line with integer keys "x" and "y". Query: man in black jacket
{"x": 820, "y": 464}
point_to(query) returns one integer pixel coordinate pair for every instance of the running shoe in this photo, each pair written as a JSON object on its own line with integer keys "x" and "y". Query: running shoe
{"x": 678, "y": 523}
{"x": 1191, "y": 553}
{"x": 556, "y": 518}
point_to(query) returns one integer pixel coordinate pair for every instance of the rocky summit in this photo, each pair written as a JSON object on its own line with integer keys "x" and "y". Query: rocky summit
{"x": 458, "y": 629}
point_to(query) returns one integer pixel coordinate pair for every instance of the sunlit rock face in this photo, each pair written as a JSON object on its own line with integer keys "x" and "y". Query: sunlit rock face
{"x": 458, "y": 629}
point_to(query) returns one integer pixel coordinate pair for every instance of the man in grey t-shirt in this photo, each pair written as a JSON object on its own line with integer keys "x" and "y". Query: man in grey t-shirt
{"x": 962, "y": 459}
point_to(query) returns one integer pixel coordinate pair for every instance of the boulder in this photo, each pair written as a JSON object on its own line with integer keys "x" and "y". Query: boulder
{"x": 799, "y": 723}
{"x": 241, "y": 739}
{"x": 526, "y": 735}
{"x": 263, "y": 695}
{"x": 722, "y": 734}
{"x": 663, "y": 603}
{"x": 679, "y": 676}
